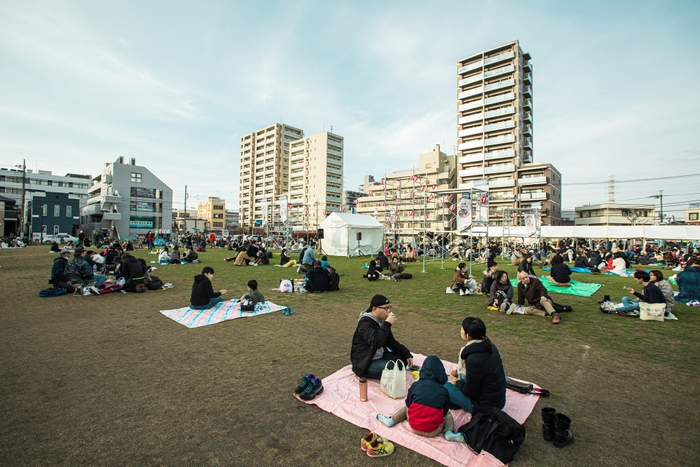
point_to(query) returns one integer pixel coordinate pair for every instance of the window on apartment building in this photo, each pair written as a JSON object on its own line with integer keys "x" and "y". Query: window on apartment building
{"x": 56, "y": 230}
{"x": 693, "y": 216}
{"x": 136, "y": 177}
{"x": 49, "y": 182}
{"x": 57, "y": 211}
{"x": 69, "y": 211}
{"x": 45, "y": 210}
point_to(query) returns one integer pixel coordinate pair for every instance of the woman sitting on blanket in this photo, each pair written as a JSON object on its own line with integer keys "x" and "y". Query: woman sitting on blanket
{"x": 480, "y": 380}
{"x": 560, "y": 274}
{"x": 501, "y": 294}
{"x": 427, "y": 407}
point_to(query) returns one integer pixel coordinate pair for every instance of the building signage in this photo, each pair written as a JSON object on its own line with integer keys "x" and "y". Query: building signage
{"x": 141, "y": 222}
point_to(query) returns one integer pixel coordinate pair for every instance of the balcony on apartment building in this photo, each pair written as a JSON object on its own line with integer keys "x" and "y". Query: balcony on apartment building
{"x": 503, "y": 139}
{"x": 527, "y": 90}
{"x": 470, "y": 67}
{"x": 538, "y": 195}
{"x": 537, "y": 180}
{"x": 526, "y": 103}
{"x": 488, "y": 101}
{"x": 334, "y": 189}
{"x": 471, "y": 79}
{"x": 334, "y": 151}
{"x": 499, "y": 71}
{"x": 527, "y": 143}
{"x": 333, "y": 170}
{"x": 486, "y": 115}
{"x": 527, "y": 130}
{"x": 470, "y": 158}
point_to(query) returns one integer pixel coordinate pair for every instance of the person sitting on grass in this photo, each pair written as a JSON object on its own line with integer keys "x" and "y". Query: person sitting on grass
{"x": 479, "y": 380}
{"x": 651, "y": 294}
{"x": 97, "y": 260}
{"x": 375, "y": 270}
{"x": 560, "y": 274}
{"x": 164, "y": 256}
{"x": 489, "y": 277}
{"x": 657, "y": 277}
{"x": 307, "y": 262}
{"x": 175, "y": 255}
{"x": 203, "y": 295}
{"x": 317, "y": 278}
{"x": 531, "y": 289}
{"x": 59, "y": 279}
{"x": 427, "y": 407}
{"x": 54, "y": 247}
{"x": 324, "y": 262}
{"x": 501, "y": 294}
{"x": 688, "y": 281}
{"x": 526, "y": 265}
{"x": 190, "y": 255}
{"x": 619, "y": 265}
{"x": 373, "y": 344}
{"x": 284, "y": 258}
{"x": 133, "y": 272}
{"x": 254, "y": 295}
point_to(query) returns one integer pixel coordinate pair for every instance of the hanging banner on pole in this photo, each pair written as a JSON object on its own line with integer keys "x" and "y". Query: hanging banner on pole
{"x": 263, "y": 205}
{"x": 464, "y": 213}
{"x": 284, "y": 211}
{"x": 530, "y": 226}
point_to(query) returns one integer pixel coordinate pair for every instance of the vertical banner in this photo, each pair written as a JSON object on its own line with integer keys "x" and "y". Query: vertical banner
{"x": 530, "y": 226}
{"x": 485, "y": 206}
{"x": 537, "y": 207}
{"x": 284, "y": 209}
{"x": 464, "y": 213}
{"x": 263, "y": 205}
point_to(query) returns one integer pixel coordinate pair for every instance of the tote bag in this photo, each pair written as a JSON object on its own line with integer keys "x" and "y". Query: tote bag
{"x": 393, "y": 382}
{"x": 652, "y": 311}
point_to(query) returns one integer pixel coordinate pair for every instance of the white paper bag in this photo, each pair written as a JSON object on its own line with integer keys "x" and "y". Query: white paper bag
{"x": 393, "y": 382}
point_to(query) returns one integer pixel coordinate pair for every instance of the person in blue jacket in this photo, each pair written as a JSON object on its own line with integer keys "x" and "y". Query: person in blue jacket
{"x": 427, "y": 407}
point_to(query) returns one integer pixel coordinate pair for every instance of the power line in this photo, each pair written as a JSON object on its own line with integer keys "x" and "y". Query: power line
{"x": 633, "y": 180}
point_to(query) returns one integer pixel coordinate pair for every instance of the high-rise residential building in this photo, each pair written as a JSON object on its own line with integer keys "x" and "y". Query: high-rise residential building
{"x": 213, "y": 210}
{"x": 126, "y": 201}
{"x": 402, "y": 200}
{"x": 264, "y": 171}
{"x": 495, "y": 132}
{"x": 316, "y": 177}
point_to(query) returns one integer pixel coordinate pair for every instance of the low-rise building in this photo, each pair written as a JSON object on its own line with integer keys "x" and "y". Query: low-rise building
{"x": 213, "y": 210}
{"x": 232, "y": 224}
{"x": 615, "y": 214}
{"x": 126, "y": 201}
{"x": 9, "y": 217}
{"x": 54, "y": 213}
{"x": 692, "y": 214}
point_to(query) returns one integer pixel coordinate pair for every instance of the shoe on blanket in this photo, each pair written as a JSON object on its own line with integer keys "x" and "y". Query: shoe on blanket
{"x": 304, "y": 382}
{"x": 365, "y": 441}
{"x": 314, "y": 388}
{"x": 380, "y": 448}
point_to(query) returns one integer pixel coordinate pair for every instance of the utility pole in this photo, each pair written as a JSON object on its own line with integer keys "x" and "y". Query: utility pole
{"x": 660, "y": 197}
{"x": 184, "y": 214}
{"x": 21, "y": 228}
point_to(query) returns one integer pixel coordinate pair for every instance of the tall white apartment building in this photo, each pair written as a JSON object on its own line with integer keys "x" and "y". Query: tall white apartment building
{"x": 264, "y": 171}
{"x": 316, "y": 176}
{"x": 495, "y": 133}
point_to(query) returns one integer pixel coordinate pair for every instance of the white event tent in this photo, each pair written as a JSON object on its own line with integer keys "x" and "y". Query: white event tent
{"x": 657, "y": 232}
{"x": 345, "y": 234}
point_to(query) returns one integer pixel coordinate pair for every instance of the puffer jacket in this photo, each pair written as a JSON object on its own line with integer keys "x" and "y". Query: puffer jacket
{"x": 506, "y": 288}
{"x": 485, "y": 382}
{"x": 688, "y": 281}
{"x": 428, "y": 400}
{"x": 368, "y": 338}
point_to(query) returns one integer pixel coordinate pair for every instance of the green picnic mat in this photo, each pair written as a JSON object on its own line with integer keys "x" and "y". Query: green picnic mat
{"x": 581, "y": 289}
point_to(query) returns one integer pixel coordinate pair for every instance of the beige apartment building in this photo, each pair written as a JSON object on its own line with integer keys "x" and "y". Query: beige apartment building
{"x": 315, "y": 178}
{"x": 615, "y": 214}
{"x": 264, "y": 169}
{"x": 495, "y": 134}
{"x": 213, "y": 211}
{"x": 403, "y": 202}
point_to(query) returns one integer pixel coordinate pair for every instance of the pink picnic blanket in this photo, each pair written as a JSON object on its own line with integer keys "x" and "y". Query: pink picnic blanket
{"x": 341, "y": 397}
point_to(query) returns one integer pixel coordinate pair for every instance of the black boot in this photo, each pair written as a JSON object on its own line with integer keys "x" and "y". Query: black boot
{"x": 562, "y": 434}
{"x": 548, "y": 417}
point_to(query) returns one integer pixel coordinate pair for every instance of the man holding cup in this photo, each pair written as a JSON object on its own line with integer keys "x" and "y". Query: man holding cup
{"x": 373, "y": 344}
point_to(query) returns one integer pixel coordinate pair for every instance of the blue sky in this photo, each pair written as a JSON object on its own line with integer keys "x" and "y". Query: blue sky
{"x": 176, "y": 84}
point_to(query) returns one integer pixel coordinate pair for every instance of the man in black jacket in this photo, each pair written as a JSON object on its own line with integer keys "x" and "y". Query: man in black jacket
{"x": 133, "y": 271}
{"x": 203, "y": 295}
{"x": 59, "y": 278}
{"x": 317, "y": 278}
{"x": 373, "y": 344}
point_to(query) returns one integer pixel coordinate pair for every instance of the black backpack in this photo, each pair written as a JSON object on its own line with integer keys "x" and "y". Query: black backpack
{"x": 155, "y": 283}
{"x": 495, "y": 432}
{"x": 406, "y": 276}
{"x": 333, "y": 280}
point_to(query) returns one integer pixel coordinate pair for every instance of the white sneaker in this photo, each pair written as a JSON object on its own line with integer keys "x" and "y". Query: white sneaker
{"x": 86, "y": 291}
{"x": 95, "y": 290}
{"x": 503, "y": 307}
{"x": 510, "y": 309}
{"x": 461, "y": 292}
{"x": 466, "y": 292}
{"x": 671, "y": 316}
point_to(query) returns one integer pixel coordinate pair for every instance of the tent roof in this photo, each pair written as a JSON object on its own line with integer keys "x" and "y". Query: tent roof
{"x": 338, "y": 219}
{"x": 660, "y": 232}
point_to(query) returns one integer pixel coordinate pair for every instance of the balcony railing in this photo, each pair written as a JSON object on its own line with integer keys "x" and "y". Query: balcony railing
{"x": 499, "y": 71}
{"x": 470, "y": 80}
{"x": 333, "y": 170}
{"x": 470, "y": 67}
{"x": 527, "y": 103}
{"x": 501, "y": 183}
{"x": 501, "y": 84}
{"x": 500, "y": 168}
{"x": 532, "y": 180}
{"x": 492, "y": 127}
{"x": 499, "y": 57}
{"x": 470, "y": 92}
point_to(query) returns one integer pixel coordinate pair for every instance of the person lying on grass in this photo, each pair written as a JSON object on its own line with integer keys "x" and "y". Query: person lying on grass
{"x": 203, "y": 295}
{"x": 531, "y": 289}
{"x": 427, "y": 406}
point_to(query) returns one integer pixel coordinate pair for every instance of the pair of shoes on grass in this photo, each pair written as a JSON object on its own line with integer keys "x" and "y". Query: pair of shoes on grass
{"x": 309, "y": 387}
{"x": 376, "y": 446}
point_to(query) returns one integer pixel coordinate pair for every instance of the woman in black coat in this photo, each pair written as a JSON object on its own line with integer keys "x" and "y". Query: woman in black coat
{"x": 560, "y": 273}
{"x": 481, "y": 381}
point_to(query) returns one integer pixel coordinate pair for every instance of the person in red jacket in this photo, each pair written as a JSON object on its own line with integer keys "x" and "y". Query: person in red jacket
{"x": 427, "y": 407}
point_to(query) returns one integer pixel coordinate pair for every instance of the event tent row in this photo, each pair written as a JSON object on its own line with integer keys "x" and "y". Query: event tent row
{"x": 659, "y": 232}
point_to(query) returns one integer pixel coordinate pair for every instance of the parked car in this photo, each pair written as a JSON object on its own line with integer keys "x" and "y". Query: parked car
{"x": 59, "y": 238}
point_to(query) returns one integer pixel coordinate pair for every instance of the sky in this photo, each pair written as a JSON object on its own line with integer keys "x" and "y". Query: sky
{"x": 176, "y": 84}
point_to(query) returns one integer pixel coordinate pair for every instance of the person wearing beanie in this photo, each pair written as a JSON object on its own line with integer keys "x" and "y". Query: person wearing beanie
{"x": 373, "y": 344}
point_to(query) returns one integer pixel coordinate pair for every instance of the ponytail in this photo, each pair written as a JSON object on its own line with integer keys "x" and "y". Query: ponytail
{"x": 477, "y": 330}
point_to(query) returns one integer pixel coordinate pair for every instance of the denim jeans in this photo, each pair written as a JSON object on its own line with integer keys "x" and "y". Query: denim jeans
{"x": 629, "y": 304}
{"x": 374, "y": 371}
{"x": 457, "y": 397}
{"x": 211, "y": 303}
{"x": 99, "y": 279}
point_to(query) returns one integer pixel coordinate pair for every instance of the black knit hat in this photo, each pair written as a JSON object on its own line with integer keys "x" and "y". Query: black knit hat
{"x": 378, "y": 300}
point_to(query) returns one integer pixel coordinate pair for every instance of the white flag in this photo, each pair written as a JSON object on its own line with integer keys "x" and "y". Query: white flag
{"x": 263, "y": 205}
{"x": 464, "y": 212}
{"x": 284, "y": 212}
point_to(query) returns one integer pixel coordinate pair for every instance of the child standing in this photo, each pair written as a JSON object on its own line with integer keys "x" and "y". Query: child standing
{"x": 427, "y": 406}
{"x": 203, "y": 295}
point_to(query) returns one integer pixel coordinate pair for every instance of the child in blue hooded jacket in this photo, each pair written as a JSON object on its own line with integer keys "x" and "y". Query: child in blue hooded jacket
{"x": 427, "y": 407}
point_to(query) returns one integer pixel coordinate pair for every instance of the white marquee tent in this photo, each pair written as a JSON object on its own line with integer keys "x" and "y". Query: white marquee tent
{"x": 657, "y": 232}
{"x": 345, "y": 234}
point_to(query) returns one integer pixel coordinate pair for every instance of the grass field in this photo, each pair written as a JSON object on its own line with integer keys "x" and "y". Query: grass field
{"x": 110, "y": 381}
